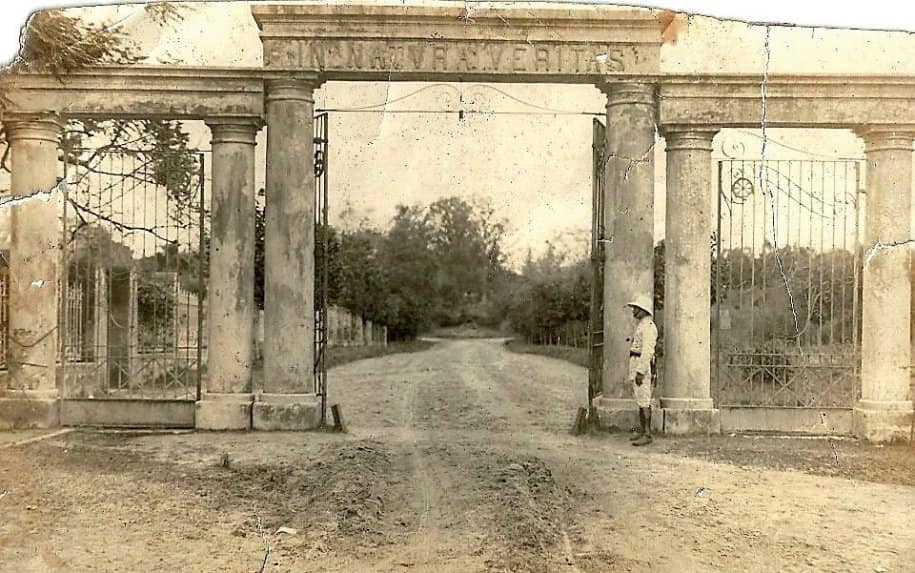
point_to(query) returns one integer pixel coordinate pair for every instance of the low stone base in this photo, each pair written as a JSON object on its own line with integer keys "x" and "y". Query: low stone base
{"x": 21, "y": 410}
{"x": 127, "y": 413}
{"x": 622, "y": 415}
{"x": 278, "y": 412}
{"x": 883, "y": 422}
{"x": 809, "y": 421}
{"x": 679, "y": 422}
{"x": 224, "y": 412}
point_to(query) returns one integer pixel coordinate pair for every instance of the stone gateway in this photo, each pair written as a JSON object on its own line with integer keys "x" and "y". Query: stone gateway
{"x": 616, "y": 51}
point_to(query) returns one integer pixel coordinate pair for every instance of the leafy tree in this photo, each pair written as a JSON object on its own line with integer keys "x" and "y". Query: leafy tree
{"x": 409, "y": 265}
{"x": 57, "y": 43}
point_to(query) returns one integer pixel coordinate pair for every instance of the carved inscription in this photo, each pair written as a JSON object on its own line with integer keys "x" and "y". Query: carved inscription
{"x": 452, "y": 57}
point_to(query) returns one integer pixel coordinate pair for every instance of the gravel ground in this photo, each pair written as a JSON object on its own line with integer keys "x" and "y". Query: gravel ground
{"x": 458, "y": 459}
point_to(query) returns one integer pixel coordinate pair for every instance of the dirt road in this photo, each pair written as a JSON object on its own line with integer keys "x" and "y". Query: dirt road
{"x": 458, "y": 459}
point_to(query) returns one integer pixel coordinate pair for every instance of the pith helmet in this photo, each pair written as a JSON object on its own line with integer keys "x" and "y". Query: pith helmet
{"x": 642, "y": 302}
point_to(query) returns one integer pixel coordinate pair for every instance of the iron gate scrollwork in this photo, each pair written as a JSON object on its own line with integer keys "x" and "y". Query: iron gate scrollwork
{"x": 131, "y": 312}
{"x": 786, "y": 284}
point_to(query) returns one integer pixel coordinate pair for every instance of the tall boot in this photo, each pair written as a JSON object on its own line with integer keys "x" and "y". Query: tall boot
{"x": 641, "y": 431}
{"x": 645, "y": 439}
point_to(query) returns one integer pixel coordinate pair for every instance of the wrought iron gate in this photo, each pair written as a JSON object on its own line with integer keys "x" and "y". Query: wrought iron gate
{"x": 786, "y": 284}
{"x": 131, "y": 316}
{"x": 322, "y": 267}
{"x": 596, "y": 315}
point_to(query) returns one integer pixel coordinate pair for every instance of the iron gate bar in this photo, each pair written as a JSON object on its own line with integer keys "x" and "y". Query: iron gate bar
{"x": 63, "y": 291}
{"x": 321, "y": 145}
{"x": 202, "y": 284}
{"x": 716, "y": 332}
{"x": 596, "y": 315}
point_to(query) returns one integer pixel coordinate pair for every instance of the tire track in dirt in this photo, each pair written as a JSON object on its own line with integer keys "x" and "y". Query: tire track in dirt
{"x": 529, "y": 529}
{"x": 426, "y": 528}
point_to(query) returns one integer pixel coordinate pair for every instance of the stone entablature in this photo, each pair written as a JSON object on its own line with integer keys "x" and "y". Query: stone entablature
{"x": 413, "y": 43}
{"x": 709, "y": 100}
{"x": 142, "y": 91}
{"x": 791, "y": 100}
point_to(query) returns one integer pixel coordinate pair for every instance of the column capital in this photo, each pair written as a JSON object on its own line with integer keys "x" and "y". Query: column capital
{"x": 300, "y": 88}
{"x": 886, "y": 137}
{"x": 234, "y": 130}
{"x": 32, "y": 126}
{"x": 689, "y": 138}
{"x": 625, "y": 92}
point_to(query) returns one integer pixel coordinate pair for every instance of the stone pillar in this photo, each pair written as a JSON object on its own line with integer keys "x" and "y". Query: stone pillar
{"x": 358, "y": 334}
{"x": 226, "y": 404}
{"x": 686, "y": 393}
{"x": 30, "y": 399}
{"x": 629, "y": 220}
{"x": 345, "y": 327}
{"x": 331, "y": 326}
{"x": 884, "y": 412}
{"x": 289, "y": 401}
{"x": 384, "y": 335}
{"x": 367, "y": 330}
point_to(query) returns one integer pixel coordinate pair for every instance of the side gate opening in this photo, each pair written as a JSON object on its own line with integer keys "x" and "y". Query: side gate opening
{"x": 786, "y": 284}
{"x": 131, "y": 317}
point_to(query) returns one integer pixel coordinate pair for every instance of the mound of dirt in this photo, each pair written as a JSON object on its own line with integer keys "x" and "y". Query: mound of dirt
{"x": 529, "y": 513}
{"x": 339, "y": 495}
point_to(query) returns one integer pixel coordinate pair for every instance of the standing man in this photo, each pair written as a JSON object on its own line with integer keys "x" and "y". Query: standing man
{"x": 641, "y": 355}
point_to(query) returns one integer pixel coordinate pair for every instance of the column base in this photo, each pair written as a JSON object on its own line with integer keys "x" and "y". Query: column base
{"x": 690, "y": 416}
{"x": 223, "y": 412}
{"x": 290, "y": 412}
{"x": 29, "y": 409}
{"x": 672, "y": 416}
{"x": 622, "y": 415}
{"x": 883, "y": 422}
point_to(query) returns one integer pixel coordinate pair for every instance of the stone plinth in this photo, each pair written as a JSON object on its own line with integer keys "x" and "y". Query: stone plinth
{"x": 28, "y": 409}
{"x": 224, "y": 412}
{"x": 622, "y": 415}
{"x": 295, "y": 412}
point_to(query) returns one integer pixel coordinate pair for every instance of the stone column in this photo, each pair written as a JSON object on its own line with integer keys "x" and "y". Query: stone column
{"x": 345, "y": 327}
{"x": 358, "y": 333}
{"x": 367, "y": 330}
{"x": 289, "y": 401}
{"x": 884, "y": 412}
{"x": 629, "y": 220}
{"x": 331, "y": 326}
{"x": 231, "y": 311}
{"x": 30, "y": 399}
{"x": 686, "y": 396}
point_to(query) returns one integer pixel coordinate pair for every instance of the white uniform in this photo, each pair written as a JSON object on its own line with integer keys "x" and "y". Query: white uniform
{"x": 641, "y": 353}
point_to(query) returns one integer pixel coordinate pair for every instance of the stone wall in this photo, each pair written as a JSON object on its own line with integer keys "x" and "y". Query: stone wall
{"x": 344, "y": 328}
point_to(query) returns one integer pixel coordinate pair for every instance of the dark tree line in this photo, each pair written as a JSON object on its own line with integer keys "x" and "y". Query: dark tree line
{"x": 439, "y": 264}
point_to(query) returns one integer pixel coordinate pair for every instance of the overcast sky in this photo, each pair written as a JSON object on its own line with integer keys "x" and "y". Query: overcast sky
{"x": 535, "y": 168}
